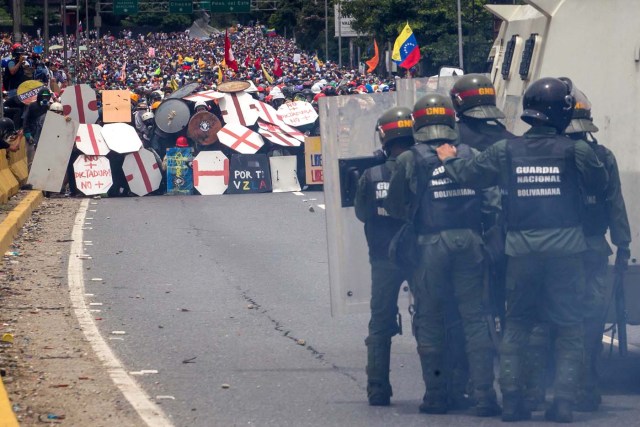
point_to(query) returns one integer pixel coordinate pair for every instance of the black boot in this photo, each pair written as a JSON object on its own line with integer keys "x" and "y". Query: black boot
{"x": 561, "y": 411}
{"x": 379, "y": 390}
{"x": 435, "y": 379}
{"x": 513, "y": 408}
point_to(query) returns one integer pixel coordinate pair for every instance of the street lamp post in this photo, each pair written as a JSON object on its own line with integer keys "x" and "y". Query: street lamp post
{"x": 64, "y": 33}
{"x": 326, "y": 31}
{"x": 460, "y": 51}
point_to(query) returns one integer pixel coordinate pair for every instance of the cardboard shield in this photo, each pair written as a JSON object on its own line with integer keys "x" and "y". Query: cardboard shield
{"x": 179, "y": 172}
{"x": 203, "y": 128}
{"x": 79, "y": 103}
{"x": 297, "y": 113}
{"x": 172, "y": 117}
{"x": 276, "y": 135}
{"x": 121, "y": 138}
{"x": 267, "y": 113}
{"x": 116, "y": 106}
{"x": 92, "y": 174}
{"x": 249, "y": 174}
{"x": 54, "y": 150}
{"x": 211, "y": 173}
{"x": 313, "y": 160}
{"x": 207, "y": 95}
{"x": 89, "y": 140}
{"x": 284, "y": 176}
{"x": 184, "y": 91}
{"x": 142, "y": 172}
{"x": 28, "y": 91}
{"x": 240, "y": 138}
{"x": 239, "y": 108}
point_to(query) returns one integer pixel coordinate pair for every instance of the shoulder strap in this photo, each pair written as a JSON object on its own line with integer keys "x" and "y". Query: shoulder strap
{"x": 426, "y": 161}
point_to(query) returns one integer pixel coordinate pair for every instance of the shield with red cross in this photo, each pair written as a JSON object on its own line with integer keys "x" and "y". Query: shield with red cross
{"x": 92, "y": 174}
{"x": 276, "y": 135}
{"x": 121, "y": 137}
{"x": 142, "y": 172}
{"x": 267, "y": 113}
{"x": 211, "y": 173}
{"x": 79, "y": 103}
{"x": 239, "y": 108}
{"x": 240, "y": 138}
{"x": 89, "y": 140}
{"x": 207, "y": 95}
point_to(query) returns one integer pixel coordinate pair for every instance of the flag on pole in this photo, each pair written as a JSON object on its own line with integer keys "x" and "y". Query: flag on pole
{"x": 228, "y": 53}
{"x": 277, "y": 68}
{"x": 267, "y": 76}
{"x": 80, "y": 26}
{"x": 271, "y": 32}
{"x": 406, "y": 52}
{"x": 373, "y": 62}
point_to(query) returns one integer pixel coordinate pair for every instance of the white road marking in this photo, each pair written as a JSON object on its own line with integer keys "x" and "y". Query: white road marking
{"x": 148, "y": 411}
{"x": 321, "y": 206}
{"x": 298, "y": 193}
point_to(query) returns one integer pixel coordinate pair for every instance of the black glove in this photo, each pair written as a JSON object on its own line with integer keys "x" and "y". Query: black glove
{"x": 622, "y": 259}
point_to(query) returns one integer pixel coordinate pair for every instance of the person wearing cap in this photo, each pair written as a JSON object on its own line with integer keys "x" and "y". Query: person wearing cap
{"x": 448, "y": 220}
{"x": 546, "y": 174}
{"x": 604, "y": 211}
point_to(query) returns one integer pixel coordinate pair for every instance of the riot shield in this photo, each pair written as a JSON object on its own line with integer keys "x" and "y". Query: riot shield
{"x": 347, "y": 128}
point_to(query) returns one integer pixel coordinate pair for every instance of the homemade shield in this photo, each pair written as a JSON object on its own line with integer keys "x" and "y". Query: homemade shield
{"x": 52, "y": 156}
{"x": 116, "y": 106}
{"x": 240, "y": 138}
{"x": 142, "y": 172}
{"x": 92, "y": 174}
{"x": 276, "y": 135}
{"x": 207, "y": 95}
{"x": 79, "y": 103}
{"x": 239, "y": 108}
{"x": 179, "y": 172}
{"x": 121, "y": 137}
{"x": 211, "y": 173}
{"x": 184, "y": 91}
{"x": 89, "y": 140}
{"x": 348, "y": 130}
{"x": 284, "y": 175}
{"x": 249, "y": 174}
{"x": 28, "y": 91}
{"x": 297, "y": 113}
{"x": 171, "y": 117}
{"x": 203, "y": 128}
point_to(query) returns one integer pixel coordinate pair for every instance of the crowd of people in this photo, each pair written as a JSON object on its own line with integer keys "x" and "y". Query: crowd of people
{"x": 485, "y": 225}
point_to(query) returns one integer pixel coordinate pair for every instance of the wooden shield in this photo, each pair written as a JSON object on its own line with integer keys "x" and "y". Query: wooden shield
{"x": 231, "y": 87}
{"x": 203, "y": 128}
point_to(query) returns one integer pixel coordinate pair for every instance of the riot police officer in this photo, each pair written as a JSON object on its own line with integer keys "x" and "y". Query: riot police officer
{"x": 448, "y": 221}
{"x": 604, "y": 210}
{"x": 543, "y": 171}
{"x": 396, "y": 136}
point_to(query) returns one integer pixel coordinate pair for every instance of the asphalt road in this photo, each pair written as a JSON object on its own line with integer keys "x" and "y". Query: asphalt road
{"x": 232, "y": 285}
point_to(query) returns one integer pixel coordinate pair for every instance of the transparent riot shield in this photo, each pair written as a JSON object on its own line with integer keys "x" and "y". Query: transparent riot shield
{"x": 411, "y": 90}
{"x": 347, "y": 128}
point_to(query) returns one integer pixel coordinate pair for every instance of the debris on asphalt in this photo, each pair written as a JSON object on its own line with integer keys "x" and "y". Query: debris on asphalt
{"x": 190, "y": 360}
{"x": 225, "y": 386}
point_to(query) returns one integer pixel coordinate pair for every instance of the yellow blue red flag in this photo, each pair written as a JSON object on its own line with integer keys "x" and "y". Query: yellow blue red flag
{"x": 406, "y": 52}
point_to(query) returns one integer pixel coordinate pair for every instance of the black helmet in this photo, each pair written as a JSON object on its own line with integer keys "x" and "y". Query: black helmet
{"x": 548, "y": 102}
{"x": 474, "y": 96}
{"x": 7, "y": 128}
{"x": 581, "y": 120}
{"x": 434, "y": 119}
{"x": 394, "y": 124}
{"x": 44, "y": 96}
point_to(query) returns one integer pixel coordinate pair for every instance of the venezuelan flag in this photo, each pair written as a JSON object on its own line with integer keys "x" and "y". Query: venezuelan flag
{"x": 406, "y": 52}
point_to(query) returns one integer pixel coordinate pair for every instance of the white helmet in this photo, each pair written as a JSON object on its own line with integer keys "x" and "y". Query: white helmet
{"x": 200, "y": 104}
{"x": 57, "y": 107}
{"x": 147, "y": 116}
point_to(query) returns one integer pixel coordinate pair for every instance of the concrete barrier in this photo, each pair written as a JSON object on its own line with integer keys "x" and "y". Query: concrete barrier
{"x": 18, "y": 162}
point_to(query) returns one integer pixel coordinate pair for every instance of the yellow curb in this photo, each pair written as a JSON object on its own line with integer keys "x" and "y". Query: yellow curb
{"x": 7, "y": 417}
{"x": 16, "y": 219}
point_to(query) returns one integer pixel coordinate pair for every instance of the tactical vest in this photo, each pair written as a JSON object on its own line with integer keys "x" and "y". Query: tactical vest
{"x": 479, "y": 135}
{"x": 596, "y": 219}
{"x": 445, "y": 204}
{"x": 381, "y": 228}
{"x": 543, "y": 189}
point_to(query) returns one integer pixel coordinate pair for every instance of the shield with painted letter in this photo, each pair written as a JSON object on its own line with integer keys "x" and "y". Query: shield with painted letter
{"x": 284, "y": 176}
{"x": 249, "y": 173}
{"x": 239, "y": 108}
{"x": 240, "y": 138}
{"x": 89, "y": 140}
{"x": 142, "y": 172}
{"x": 28, "y": 91}
{"x": 92, "y": 174}
{"x": 297, "y": 113}
{"x": 203, "y": 128}
{"x": 211, "y": 173}
{"x": 54, "y": 150}
{"x": 79, "y": 103}
{"x": 171, "y": 117}
{"x": 121, "y": 137}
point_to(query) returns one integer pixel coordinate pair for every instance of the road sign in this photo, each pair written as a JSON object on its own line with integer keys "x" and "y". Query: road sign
{"x": 92, "y": 174}
{"x": 211, "y": 173}
{"x": 79, "y": 103}
{"x": 125, "y": 7}
{"x": 284, "y": 176}
{"x": 116, "y": 106}
{"x": 249, "y": 174}
{"x": 121, "y": 137}
{"x": 89, "y": 140}
{"x": 230, "y": 6}
{"x": 181, "y": 6}
{"x": 240, "y": 138}
{"x": 142, "y": 172}
{"x": 54, "y": 150}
